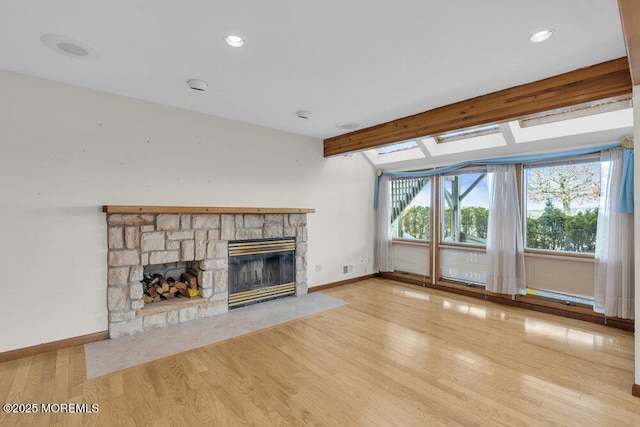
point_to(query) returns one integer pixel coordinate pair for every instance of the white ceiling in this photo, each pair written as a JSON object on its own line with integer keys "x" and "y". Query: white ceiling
{"x": 350, "y": 60}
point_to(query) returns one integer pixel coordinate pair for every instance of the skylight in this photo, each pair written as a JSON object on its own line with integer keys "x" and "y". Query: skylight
{"x": 582, "y": 125}
{"x": 396, "y": 147}
{"x": 467, "y": 133}
{"x": 581, "y": 128}
{"x": 575, "y": 111}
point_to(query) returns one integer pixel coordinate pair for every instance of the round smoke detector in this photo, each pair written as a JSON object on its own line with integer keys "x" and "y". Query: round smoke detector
{"x": 70, "y": 47}
{"x": 197, "y": 84}
{"x": 348, "y": 125}
{"x": 303, "y": 114}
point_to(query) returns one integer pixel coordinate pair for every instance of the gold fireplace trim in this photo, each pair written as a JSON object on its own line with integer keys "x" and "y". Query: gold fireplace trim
{"x": 255, "y": 295}
{"x": 261, "y": 247}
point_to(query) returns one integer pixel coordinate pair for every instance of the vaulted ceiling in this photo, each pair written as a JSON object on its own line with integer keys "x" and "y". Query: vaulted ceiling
{"x": 353, "y": 61}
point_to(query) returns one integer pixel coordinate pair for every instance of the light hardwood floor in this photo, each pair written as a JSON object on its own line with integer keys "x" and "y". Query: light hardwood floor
{"x": 396, "y": 355}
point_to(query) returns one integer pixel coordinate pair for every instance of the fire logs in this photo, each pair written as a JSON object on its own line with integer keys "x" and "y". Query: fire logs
{"x": 158, "y": 288}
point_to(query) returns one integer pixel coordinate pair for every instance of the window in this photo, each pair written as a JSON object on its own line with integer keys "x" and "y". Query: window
{"x": 467, "y": 133}
{"x": 411, "y": 208}
{"x": 575, "y": 111}
{"x": 562, "y": 205}
{"x": 465, "y": 207}
{"x": 396, "y": 147}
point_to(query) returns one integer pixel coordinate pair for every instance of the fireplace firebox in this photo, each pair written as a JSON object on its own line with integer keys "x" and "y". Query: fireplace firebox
{"x": 260, "y": 270}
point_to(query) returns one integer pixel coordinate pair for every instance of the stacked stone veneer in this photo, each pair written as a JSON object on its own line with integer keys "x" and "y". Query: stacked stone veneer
{"x": 137, "y": 240}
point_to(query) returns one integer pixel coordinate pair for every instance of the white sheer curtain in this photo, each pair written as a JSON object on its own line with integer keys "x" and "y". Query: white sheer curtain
{"x": 384, "y": 248}
{"x": 505, "y": 248}
{"x": 614, "y": 272}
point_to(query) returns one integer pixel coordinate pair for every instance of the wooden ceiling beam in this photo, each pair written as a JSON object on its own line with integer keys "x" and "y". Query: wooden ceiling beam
{"x": 606, "y": 80}
{"x": 630, "y": 17}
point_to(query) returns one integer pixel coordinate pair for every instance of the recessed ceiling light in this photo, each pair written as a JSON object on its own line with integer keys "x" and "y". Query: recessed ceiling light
{"x": 234, "y": 41}
{"x": 348, "y": 125}
{"x": 540, "y": 36}
{"x": 70, "y": 47}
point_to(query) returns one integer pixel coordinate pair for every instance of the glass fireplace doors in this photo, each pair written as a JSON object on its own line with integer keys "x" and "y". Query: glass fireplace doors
{"x": 260, "y": 270}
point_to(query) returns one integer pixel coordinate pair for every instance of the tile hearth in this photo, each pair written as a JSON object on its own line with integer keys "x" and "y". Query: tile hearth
{"x": 108, "y": 356}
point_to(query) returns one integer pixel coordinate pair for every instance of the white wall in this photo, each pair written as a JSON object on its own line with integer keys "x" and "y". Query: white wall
{"x": 65, "y": 151}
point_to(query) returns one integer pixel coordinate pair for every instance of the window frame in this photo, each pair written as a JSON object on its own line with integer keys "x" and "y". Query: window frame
{"x": 416, "y": 240}
{"x": 441, "y": 231}
{"x": 585, "y": 158}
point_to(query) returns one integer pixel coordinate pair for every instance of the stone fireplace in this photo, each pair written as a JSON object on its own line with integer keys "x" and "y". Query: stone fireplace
{"x": 140, "y": 236}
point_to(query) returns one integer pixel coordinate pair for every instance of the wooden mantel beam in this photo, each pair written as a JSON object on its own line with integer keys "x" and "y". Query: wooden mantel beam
{"x": 121, "y": 209}
{"x": 630, "y": 17}
{"x": 606, "y": 80}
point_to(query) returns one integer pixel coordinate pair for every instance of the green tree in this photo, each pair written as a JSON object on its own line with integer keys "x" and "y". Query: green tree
{"x": 447, "y": 229}
{"x": 480, "y": 221}
{"x": 554, "y": 230}
{"x": 551, "y": 227}
{"x": 581, "y": 231}
{"x": 474, "y": 221}
{"x": 416, "y": 222}
{"x": 533, "y": 236}
{"x": 467, "y": 222}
